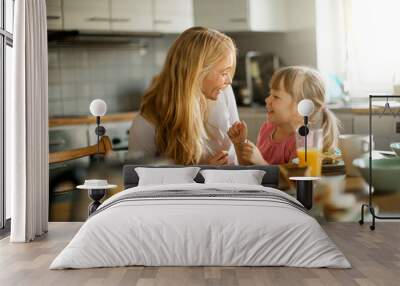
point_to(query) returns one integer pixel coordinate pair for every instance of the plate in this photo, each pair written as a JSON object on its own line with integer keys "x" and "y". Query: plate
{"x": 387, "y": 154}
{"x": 333, "y": 168}
{"x": 337, "y": 167}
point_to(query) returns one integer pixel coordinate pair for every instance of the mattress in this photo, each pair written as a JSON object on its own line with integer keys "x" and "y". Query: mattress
{"x": 201, "y": 225}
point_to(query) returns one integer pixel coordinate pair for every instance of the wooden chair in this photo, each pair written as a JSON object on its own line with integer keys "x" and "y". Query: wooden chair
{"x": 104, "y": 148}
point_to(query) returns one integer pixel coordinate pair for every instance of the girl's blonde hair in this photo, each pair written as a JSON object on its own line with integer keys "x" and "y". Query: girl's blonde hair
{"x": 306, "y": 83}
{"x": 174, "y": 102}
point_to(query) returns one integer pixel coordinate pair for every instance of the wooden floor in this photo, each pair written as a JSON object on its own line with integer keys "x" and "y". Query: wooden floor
{"x": 374, "y": 255}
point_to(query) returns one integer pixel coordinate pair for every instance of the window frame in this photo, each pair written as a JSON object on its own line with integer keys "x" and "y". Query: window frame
{"x": 6, "y": 39}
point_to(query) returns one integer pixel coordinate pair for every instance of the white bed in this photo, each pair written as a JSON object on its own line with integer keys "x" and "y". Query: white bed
{"x": 224, "y": 225}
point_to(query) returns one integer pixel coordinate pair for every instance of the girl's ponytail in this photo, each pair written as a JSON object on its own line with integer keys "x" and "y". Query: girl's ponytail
{"x": 330, "y": 129}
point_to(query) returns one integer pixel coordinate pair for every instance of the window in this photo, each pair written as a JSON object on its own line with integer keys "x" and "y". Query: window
{"x": 9, "y": 16}
{"x": 357, "y": 40}
{"x": 6, "y": 63}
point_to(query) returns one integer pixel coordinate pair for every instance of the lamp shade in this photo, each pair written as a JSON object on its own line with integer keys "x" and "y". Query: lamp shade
{"x": 305, "y": 107}
{"x": 98, "y": 107}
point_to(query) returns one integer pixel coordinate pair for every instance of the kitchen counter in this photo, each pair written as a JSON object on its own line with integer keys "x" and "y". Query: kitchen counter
{"x": 353, "y": 108}
{"x": 79, "y": 120}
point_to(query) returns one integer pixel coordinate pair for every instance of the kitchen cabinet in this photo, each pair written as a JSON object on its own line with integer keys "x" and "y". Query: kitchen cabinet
{"x": 223, "y": 15}
{"x": 255, "y": 15}
{"x": 131, "y": 15}
{"x": 89, "y": 15}
{"x": 54, "y": 14}
{"x": 268, "y": 15}
{"x": 241, "y": 15}
{"x": 170, "y": 16}
{"x": 173, "y": 16}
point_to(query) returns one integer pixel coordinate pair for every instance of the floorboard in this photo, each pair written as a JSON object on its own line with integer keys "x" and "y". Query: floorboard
{"x": 374, "y": 255}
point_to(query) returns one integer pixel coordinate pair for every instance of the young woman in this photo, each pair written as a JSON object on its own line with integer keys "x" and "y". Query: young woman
{"x": 189, "y": 107}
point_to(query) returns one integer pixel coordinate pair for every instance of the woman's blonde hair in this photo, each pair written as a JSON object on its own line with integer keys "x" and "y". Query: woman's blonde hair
{"x": 306, "y": 83}
{"x": 174, "y": 102}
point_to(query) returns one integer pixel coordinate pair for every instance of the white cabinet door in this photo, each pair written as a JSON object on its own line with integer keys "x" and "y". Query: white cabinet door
{"x": 269, "y": 15}
{"x": 131, "y": 15}
{"x": 206, "y": 13}
{"x": 223, "y": 15}
{"x": 173, "y": 16}
{"x": 54, "y": 14}
{"x": 90, "y": 15}
{"x": 242, "y": 15}
{"x": 236, "y": 15}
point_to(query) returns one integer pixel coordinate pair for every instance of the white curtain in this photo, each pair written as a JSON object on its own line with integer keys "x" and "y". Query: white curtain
{"x": 331, "y": 38}
{"x": 27, "y": 124}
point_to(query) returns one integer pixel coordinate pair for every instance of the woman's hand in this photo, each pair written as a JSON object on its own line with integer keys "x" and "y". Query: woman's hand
{"x": 250, "y": 154}
{"x": 238, "y": 132}
{"x": 221, "y": 158}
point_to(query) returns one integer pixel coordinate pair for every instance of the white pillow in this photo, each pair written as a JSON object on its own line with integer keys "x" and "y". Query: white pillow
{"x": 164, "y": 176}
{"x": 249, "y": 177}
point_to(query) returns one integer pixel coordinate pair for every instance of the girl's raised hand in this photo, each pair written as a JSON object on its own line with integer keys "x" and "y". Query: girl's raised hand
{"x": 238, "y": 132}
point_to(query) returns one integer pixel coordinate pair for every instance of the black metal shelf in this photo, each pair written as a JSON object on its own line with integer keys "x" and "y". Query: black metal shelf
{"x": 370, "y": 206}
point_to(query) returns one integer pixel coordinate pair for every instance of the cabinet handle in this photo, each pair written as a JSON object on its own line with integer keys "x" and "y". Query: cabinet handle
{"x": 98, "y": 19}
{"x": 120, "y": 20}
{"x": 162, "y": 21}
{"x": 53, "y": 17}
{"x": 237, "y": 20}
{"x": 57, "y": 142}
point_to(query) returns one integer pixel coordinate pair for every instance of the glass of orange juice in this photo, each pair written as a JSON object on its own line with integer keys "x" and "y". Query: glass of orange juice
{"x": 314, "y": 151}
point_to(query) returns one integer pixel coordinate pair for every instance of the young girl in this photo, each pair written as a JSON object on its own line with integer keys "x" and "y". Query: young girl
{"x": 276, "y": 143}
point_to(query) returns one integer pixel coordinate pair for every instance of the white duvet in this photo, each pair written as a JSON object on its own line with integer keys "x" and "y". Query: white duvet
{"x": 185, "y": 231}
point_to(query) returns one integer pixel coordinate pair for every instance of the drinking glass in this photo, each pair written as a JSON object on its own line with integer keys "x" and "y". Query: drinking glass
{"x": 314, "y": 151}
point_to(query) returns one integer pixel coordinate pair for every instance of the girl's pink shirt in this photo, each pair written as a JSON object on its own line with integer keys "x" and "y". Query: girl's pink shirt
{"x": 273, "y": 151}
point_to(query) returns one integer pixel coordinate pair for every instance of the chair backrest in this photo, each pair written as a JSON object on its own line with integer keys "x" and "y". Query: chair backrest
{"x": 270, "y": 179}
{"x": 104, "y": 148}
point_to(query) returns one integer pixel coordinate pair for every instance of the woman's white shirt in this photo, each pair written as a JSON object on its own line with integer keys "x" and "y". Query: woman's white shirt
{"x": 222, "y": 113}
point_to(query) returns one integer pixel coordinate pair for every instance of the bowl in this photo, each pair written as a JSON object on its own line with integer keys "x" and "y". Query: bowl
{"x": 385, "y": 173}
{"x": 396, "y": 148}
